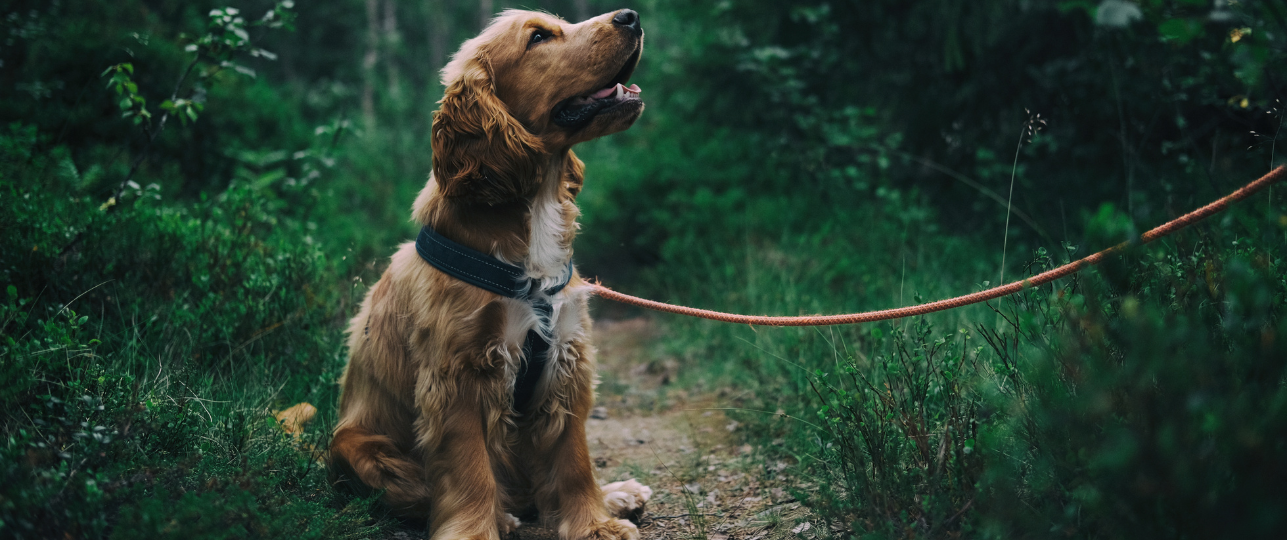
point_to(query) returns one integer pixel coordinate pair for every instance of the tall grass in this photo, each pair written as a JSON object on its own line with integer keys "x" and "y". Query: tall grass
{"x": 1117, "y": 403}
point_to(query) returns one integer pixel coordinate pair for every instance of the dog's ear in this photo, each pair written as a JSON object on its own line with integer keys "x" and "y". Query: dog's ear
{"x": 573, "y": 174}
{"x": 480, "y": 152}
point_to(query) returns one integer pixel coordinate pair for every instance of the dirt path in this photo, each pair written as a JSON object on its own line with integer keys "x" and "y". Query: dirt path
{"x": 705, "y": 486}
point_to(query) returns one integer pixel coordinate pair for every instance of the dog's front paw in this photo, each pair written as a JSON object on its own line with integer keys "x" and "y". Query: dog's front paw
{"x": 626, "y": 499}
{"x": 608, "y": 529}
{"x": 506, "y": 523}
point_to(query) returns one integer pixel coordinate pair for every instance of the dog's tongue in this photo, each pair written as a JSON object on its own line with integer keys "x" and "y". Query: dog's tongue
{"x": 614, "y": 89}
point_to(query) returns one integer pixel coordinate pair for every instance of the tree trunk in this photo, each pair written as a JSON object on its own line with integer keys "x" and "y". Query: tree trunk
{"x": 486, "y": 10}
{"x": 368, "y": 62}
{"x": 438, "y": 36}
{"x": 392, "y": 42}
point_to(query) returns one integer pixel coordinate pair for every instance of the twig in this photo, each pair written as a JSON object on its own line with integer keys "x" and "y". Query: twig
{"x": 785, "y": 415}
{"x": 1005, "y": 236}
{"x": 91, "y": 289}
{"x": 1273, "y": 145}
{"x": 1031, "y": 127}
{"x": 655, "y": 518}
{"x": 940, "y": 168}
{"x": 138, "y": 161}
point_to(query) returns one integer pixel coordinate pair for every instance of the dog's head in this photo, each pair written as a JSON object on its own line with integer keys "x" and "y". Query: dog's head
{"x": 531, "y": 84}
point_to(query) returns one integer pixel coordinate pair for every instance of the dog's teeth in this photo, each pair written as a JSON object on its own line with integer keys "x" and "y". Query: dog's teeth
{"x": 620, "y": 90}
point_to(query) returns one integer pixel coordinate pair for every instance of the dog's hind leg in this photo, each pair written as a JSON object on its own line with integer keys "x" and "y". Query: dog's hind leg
{"x": 366, "y": 462}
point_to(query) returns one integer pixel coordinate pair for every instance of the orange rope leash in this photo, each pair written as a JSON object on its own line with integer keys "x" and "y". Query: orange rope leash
{"x": 951, "y": 303}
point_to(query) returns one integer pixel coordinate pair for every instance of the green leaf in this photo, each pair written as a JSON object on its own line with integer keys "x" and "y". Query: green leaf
{"x": 1085, "y": 6}
{"x": 1181, "y": 31}
{"x": 13, "y": 291}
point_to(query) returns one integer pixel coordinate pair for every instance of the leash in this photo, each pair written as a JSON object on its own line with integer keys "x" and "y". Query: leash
{"x": 1169, "y": 227}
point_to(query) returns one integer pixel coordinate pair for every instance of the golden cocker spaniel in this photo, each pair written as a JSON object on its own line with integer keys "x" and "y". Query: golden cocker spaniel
{"x": 470, "y": 370}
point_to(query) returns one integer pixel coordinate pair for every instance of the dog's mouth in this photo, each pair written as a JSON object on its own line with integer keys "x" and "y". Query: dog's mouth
{"x": 577, "y": 111}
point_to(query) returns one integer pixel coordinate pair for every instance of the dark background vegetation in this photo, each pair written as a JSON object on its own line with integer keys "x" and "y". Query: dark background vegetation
{"x": 184, "y": 237}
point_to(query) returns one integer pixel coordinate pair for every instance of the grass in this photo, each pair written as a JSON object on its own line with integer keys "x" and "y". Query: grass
{"x": 141, "y": 366}
{"x": 1021, "y": 417}
{"x": 144, "y": 344}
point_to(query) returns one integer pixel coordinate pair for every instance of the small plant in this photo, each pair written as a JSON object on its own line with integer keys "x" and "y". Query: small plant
{"x": 1031, "y": 127}
{"x": 900, "y": 435}
{"x": 226, "y": 38}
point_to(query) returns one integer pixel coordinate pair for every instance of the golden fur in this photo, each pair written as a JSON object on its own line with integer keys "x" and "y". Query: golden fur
{"x": 425, "y": 409}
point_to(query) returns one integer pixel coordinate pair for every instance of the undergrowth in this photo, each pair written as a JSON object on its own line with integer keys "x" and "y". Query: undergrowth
{"x": 1143, "y": 398}
{"x": 141, "y": 365}
{"x": 165, "y": 289}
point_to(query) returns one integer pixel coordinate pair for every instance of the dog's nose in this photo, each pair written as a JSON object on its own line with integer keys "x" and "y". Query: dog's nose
{"x": 627, "y": 18}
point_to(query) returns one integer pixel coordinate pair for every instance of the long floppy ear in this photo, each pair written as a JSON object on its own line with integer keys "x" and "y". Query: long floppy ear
{"x": 480, "y": 152}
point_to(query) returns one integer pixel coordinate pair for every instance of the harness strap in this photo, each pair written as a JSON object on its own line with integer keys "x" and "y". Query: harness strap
{"x": 493, "y": 275}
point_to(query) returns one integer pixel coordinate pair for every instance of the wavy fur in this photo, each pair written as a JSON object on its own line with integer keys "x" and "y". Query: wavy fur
{"x": 426, "y": 414}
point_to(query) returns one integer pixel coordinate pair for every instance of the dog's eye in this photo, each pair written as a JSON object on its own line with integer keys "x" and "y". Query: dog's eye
{"x": 538, "y": 36}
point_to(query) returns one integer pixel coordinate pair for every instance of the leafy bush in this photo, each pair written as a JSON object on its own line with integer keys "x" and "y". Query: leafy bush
{"x": 166, "y": 287}
{"x": 1159, "y": 409}
{"x": 1143, "y": 399}
{"x": 144, "y": 414}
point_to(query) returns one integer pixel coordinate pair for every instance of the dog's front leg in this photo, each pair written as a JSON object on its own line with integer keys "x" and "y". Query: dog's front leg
{"x": 567, "y": 493}
{"x": 466, "y": 501}
{"x": 567, "y": 490}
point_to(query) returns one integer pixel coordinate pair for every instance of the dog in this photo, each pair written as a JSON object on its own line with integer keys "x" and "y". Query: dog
{"x": 465, "y": 395}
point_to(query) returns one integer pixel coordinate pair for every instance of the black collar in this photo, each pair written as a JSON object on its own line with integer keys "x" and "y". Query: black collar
{"x": 479, "y": 269}
{"x": 491, "y": 274}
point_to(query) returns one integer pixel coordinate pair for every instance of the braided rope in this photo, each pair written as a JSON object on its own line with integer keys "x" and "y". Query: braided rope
{"x": 960, "y": 301}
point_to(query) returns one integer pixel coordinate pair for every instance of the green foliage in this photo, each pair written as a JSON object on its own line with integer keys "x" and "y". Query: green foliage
{"x": 826, "y": 157}
{"x": 1157, "y": 408}
{"x": 166, "y": 287}
{"x": 898, "y": 431}
{"x": 811, "y": 106}
{"x": 132, "y": 104}
{"x": 151, "y": 409}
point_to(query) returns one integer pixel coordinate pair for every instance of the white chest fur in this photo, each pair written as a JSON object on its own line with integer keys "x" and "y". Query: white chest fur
{"x": 549, "y": 246}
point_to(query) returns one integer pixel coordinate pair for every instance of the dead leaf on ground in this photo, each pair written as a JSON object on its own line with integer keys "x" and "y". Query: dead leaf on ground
{"x": 292, "y": 420}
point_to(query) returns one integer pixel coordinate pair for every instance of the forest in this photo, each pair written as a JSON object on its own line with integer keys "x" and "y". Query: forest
{"x": 197, "y": 194}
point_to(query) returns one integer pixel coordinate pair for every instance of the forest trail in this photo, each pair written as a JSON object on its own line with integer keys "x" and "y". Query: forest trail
{"x": 705, "y": 486}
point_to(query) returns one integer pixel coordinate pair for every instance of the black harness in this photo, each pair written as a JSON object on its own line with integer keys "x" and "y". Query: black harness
{"x": 491, "y": 274}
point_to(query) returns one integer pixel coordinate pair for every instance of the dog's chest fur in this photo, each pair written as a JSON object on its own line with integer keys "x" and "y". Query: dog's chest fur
{"x": 552, "y": 226}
